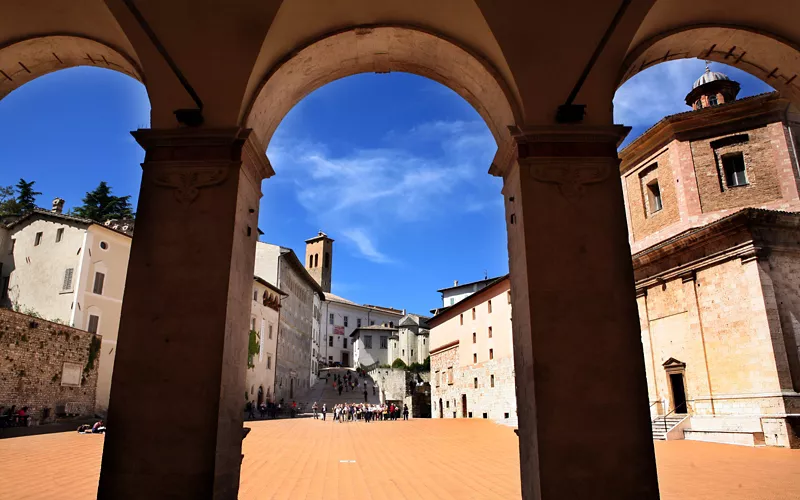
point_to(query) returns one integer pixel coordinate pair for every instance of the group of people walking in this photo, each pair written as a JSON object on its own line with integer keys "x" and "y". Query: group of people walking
{"x": 349, "y": 383}
{"x": 351, "y": 412}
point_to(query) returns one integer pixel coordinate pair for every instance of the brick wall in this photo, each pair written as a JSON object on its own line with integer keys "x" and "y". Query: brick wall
{"x": 43, "y": 365}
{"x": 760, "y": 163}
{"x": 644, "y": 222}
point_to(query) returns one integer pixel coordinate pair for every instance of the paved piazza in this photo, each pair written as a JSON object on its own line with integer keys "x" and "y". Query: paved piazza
{"x": 452, "y": 459}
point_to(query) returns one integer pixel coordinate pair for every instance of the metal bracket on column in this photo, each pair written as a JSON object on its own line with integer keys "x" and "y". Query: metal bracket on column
{"x": 191, "y": 117}
{"x": 574, "y": 113}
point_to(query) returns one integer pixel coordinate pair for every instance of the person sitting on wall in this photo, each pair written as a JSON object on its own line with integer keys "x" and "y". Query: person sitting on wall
{"x": 85, "y": 429}
{"x": 99, "y": 427}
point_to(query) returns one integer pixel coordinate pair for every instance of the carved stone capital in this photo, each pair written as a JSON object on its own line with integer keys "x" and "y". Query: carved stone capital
{"x": 188, "y": 160}
{"x": 570, "y": 176}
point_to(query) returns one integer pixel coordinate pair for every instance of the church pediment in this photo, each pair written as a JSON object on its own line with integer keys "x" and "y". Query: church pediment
{"x": 673, "y": 364}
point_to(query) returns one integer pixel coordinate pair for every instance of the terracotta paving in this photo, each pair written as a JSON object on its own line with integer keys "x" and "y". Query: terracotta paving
{"x": 450, "y": 459}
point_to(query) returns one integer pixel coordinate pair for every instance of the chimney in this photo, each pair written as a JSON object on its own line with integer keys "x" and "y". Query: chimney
{"x": 455, "y": 282}
{"x": 58, "y": 205}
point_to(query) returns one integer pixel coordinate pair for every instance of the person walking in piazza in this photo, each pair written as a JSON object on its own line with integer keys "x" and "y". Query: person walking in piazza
{"x": 324, "y": 410}
{"x": 314, "y": 409}
{"x": 405, "y": 412}
{"x": 365, "y": 394}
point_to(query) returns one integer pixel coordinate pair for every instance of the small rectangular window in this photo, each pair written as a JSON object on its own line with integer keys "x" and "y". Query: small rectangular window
{"x": 491, "y": 353}
{"x": 474, "y": 338}
{"x": 490, "y": 332}
{"x": 368, "y": 341}
{"x": 654, "y": 196}
{"x": 269, "y": 361}
{"x": 452, "y": 300}
{"x": 93, "y": 323}
{"x": 491, "y": 379}
{"x": 473, "y": 313}
{"x": 255, "y": 295}
{"x": 489, "y": 308}
{"x": 449, "y": 375}
{"x": 404, "y": 352}
{"x": 99, "y": 279}
{"x": 461, "y": 318}
{"x": 38, "y": 239}
{"x": 344, "y": 343}
{"x": 372, "y": 323}
{"x": 330, "y": 341}
{"x": 358, "y": 322}
{"x": 384, "y": 342}
{"x": 270, "y": 331}
{"x": 735, "y": 173}
{"x": 412, "y": 352}
{"x": 59, "y": 234}
{"x": 330, "y": 318}
{"x": 345, "y": 321}
{"x": 475, "y": 382}
{"x": 67, "y": 285}
{"x": 474, "y": 357}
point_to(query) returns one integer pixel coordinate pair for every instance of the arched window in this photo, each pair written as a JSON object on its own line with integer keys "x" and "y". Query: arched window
{"x": 326, "y": 260}
{"x": 316, "y": 260}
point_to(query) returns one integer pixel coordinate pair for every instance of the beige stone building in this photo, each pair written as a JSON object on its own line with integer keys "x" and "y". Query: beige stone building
{"x": 472, "y": 356}
{"x": 69, "y": 270}
{"x": 717, "y": 283}
{"x": 264, "y": 320}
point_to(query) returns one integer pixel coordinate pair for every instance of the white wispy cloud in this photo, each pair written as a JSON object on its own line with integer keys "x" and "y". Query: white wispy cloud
{"x": 420, "y": 176}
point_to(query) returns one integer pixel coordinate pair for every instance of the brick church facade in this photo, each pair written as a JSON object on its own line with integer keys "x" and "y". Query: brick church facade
{"x": 712, "y": 203}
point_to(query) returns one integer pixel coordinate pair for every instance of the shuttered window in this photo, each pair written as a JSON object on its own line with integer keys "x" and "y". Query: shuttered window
{"x": 99, "y": 279}
{"x": 93, "y": 322}
{"x": 67, "y": 285}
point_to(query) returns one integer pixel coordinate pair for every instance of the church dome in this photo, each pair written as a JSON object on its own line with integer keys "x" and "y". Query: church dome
{"x": 708, "y": 77}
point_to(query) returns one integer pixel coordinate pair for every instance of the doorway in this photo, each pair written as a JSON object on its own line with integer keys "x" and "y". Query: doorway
{"x": 345, "y": 359}
{"x": 678, "y": 392}
{"x": 463, "y": 406}
{"x": 441, "y": 409}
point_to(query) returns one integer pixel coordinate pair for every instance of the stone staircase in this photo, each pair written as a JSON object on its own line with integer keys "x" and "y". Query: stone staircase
{"x": 323, "y": 392}
{"x": 659, "y": 434}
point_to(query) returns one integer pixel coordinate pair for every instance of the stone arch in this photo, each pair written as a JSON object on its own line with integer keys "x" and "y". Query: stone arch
{"x": 383, "y": 49}
{"x": 769, "y": 57}
{"x": 25, "y": 60}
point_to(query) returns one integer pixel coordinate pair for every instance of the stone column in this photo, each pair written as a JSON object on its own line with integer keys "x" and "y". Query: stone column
{"x": 584, "y": 425}
{"x": 177, "y": 395}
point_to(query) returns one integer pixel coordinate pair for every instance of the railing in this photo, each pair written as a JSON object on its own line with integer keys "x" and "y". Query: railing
{"x": 674, "y": 410}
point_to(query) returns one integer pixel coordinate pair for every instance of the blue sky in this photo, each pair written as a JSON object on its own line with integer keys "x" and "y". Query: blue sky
{"x": 393, "y": 167}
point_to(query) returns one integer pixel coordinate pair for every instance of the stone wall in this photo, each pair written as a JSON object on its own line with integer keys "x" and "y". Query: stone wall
{"x": 642, "y": 221}
{"x": 47, "y": 365}
{"x": 451, "y": 382}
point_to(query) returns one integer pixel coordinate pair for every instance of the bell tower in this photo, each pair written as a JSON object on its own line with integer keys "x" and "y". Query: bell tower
{"x": 319, "y": 259}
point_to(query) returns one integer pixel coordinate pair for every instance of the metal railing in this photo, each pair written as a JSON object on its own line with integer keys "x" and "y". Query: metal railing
{"x": 674, "y": 410}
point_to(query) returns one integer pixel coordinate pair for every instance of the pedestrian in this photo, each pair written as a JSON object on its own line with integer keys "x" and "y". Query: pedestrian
{"x": 250, "y": 409}
{"x": 365, "y": 394}
{"x": 405, "y": 412}
{"x": 314, "y": 409}
{"x": 324, "y": 411}
{"x": 340, "y": 390}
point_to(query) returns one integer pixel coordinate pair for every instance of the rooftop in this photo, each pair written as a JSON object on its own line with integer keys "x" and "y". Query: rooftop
{"x": 461, "y": 285}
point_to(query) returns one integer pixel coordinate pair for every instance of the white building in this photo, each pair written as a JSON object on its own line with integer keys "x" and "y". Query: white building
{"x": 341, "y": 317}
{"x": 371, "y": 345}
{"x": 264, "y": 320}
{"x": 281, "y": 266}
{"x": 456, "y": 293}
{"x": 411, "y": 342}
{"x": 71, "y": 270}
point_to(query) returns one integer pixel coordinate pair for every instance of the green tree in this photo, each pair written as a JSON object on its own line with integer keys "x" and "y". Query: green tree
{"x": 398, "y": 363}
{"x": 26, "y": 196}
{"x": 100, "y": 205}
{"x": 8, "y": 202}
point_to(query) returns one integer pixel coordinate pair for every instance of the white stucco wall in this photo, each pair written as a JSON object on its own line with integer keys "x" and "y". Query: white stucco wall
{"x": 266, "y": 266}
{"x": 354, "y": 313}
{"x": 265, "y": 319}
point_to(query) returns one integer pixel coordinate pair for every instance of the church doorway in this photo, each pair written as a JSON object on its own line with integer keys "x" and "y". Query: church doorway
{"x": 260, "y": 395}
{"x": 678, "y": 392}
{"x": 441, "y": 408}
{"x": 463, "y": 406}
{"x": 345, "y": 359}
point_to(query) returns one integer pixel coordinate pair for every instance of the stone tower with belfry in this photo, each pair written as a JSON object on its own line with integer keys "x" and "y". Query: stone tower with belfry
{"x": 319, "y": 259}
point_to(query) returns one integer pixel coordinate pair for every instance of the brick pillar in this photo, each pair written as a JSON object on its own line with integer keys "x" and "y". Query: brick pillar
{"x": 175, "y": 414}
{"x": 584, "y": 425}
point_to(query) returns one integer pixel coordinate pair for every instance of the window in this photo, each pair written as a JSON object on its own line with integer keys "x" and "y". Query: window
{"x": 270, "y": 331}
{"x": 450, "y": 375}
{"x": 344, "y": 343}
{"x": 489, "y": 307}
{"x": 452, "y": 301}
{"x": 99, "y": 279}
{"x": 93, "y": 323}
{"x": 438, "y": 376}
{"x": 345, "y": 321}
{"x": 461, "y": 319}
{"x": 448, "y": 403}
{"x": 384, "y": 342}
{"x": 412, "y": 352}
{"x": 67, "y": 286}
{"x": 735, "y": 174}
{"x": 404, "y": 352}
{"x": 490, "y": 332}
{"x": 59, "y": 234}
{"x": 391, "y": 324}
{"x": 474, "y": 338}
{"x": 358, "y": 322}
{"x": 330, "y": 341}
{"x": 253, "y": 323}
{"x": 491, "y": 353}
{"x": 316, "y": 260}
{"x": 474, "y": 357}
{"x": 103, "y": 245}
{"x": 712, "y": 100}
{"x": 475, "y": 382}
{"x": 330, "y": 359}
{"x": 491, "y": 380}
{"x": 368, "y": 341}
{"x": 330, "y": 318}
{"x": 654, "y": 196}
{"x": 473, "y": 313}
{"x": 310, "y": 261}
{"x": 698, "y": 104}
{"x": 372, "y": 323}
{"x": 255, "y": 295}
{"x": 269, "y": 362}
{"x": 38, "y": 239}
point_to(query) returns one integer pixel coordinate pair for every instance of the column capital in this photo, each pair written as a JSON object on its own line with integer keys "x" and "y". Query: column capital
{"x": 188, "y": 159}
{"x": 568, "y": 141}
